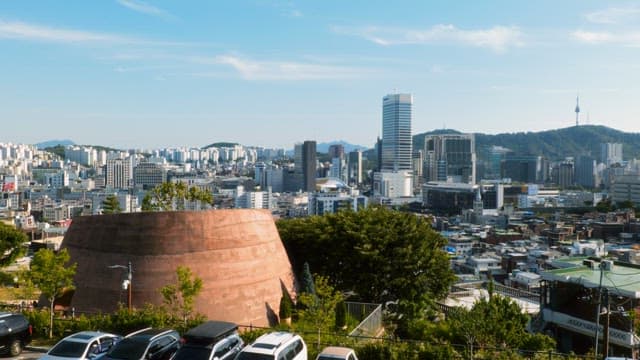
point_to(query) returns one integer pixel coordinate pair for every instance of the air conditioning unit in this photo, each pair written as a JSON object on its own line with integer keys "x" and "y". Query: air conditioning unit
{"x": 590, "y": 264}
{"x": 607, "y": 265}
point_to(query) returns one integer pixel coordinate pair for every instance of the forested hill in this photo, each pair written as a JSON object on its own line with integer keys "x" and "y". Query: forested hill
{"x": 553, "y": 144}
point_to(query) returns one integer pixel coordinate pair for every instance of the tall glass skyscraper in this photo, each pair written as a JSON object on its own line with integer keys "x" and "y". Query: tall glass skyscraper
{"x": 396, "y": 132}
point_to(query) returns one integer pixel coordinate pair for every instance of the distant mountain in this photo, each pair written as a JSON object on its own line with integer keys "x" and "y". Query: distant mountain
{"x": 553, "y": 144}
{"x": 324, "y": 147}
{"x": 52, "y": 143}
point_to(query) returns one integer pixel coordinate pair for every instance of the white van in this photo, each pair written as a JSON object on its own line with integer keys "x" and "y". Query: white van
{"x": 278, "y": 345}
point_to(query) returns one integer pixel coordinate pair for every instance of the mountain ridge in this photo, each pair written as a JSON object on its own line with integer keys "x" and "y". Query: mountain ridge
{"x": 553, "y": 144}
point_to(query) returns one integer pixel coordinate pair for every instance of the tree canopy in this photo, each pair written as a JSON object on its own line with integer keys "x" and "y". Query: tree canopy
{"x": 51, "y": 273}
{"x": 180, "y": 297}
{"x": 173, "y": 195}
{"x": 380, "y": 254}
{"x": 111, "y": 205}
{"x": 497, "y": 322}
{"x": 11, "y": 241}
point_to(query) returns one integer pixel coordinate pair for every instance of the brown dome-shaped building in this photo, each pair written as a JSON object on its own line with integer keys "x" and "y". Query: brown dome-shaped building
{"x": 237, "y": 253}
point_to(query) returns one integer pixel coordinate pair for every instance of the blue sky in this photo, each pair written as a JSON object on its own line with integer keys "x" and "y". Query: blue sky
{"x": 131, "y": 73}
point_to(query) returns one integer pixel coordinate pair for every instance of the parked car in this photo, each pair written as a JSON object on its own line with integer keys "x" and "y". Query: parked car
{"x": 15, "y": 333}
{"x": 147, "y": 344}
{"x": 275, "y": 346}
{"x": 337, "y": 353}
{"x": 82, "y": 345}
{"x": 213, "y": 340}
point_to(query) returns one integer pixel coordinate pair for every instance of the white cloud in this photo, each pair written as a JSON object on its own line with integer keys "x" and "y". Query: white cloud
{"x": 34, "y": 32}
{"x": 21, "y": 30}
{"x": 145, "y": 8}
{"x": 276, "y": 70}
{"x": 497, "y": 38}
{"x": 630, "y": 38}
{"x": 614, "y": 15}
{"x": 591, "y": 36}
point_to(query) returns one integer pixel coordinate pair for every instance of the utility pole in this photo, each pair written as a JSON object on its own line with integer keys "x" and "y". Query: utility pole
{"x": 599, "y": 307}
{"x": 129, "y": 285}
{"x": 605, "y": 335}
{"x": 127, "y": 282}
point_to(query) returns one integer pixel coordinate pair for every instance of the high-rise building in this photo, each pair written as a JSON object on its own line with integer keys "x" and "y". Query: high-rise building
{"x": 148, "y": 175}
{"x": 119, "y": 173}
{"x": 585, "y": 171}
{"x": 563, "y": 174}
{"x": 395, "y": 177}
{"x": 305, "y": 165}
{"x": 354, "y": 172}
{"x": 495, "y": 156}
{"x": 336, "y": 151}
{"x": 611, "y": 153}
{"x": 396, "y": 132}
{"x": 450, "y": 157}
{"x": 522, "y": 168}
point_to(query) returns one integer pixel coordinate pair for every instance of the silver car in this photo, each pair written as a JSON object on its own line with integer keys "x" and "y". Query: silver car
{"x": 82, "y": 345}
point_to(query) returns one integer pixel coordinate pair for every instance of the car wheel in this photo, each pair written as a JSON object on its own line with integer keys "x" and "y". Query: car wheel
{"x": 15, "y": 348}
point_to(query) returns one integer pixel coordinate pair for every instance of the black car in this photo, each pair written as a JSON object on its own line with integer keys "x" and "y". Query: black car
{"x": 148, "y": 344}
{"x": 15, "y": 333}
{"x": 213, "y": 340}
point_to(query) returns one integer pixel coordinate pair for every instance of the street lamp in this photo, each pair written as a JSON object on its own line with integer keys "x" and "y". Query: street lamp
{"x": 126, "y": 284}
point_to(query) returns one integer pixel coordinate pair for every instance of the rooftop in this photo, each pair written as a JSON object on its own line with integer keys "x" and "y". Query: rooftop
{"x": 623, "y": 279}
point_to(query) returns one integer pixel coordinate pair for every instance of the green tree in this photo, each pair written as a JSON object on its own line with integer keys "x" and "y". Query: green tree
{"x": 12, "y": 243}
{"x": 380, "y": 254}
{"x": 52, "y": 274}
{"x": 604, "y": 206}
{"x": 318, "y": 311}
{"x": 307, "y": 280}
{"x": 111, "y": 205}
{"x": 497, "y": 322}
{"x": 286, "y": 308}
{"x": 180, "y": 297}
{"x": 626, "y": 204}
{"x": 173, "y": 195}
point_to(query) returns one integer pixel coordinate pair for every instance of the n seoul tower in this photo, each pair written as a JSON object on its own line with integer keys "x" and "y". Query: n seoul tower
{"x": 577, "y": 109}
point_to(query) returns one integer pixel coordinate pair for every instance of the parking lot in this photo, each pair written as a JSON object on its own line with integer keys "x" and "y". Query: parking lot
{"x": 27, "y": 354}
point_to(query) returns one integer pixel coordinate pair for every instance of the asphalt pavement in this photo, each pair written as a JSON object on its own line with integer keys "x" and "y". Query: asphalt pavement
{"x": 30, "y": 353}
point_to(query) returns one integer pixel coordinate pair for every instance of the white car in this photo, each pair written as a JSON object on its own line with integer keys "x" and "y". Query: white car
{"x": 82, "y": 345}
{"x": 337, "y": 353}
{"x": 278, "y": 345}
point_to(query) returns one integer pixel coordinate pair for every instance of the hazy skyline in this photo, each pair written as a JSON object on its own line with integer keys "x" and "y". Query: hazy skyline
{"x": 128, "y": 73}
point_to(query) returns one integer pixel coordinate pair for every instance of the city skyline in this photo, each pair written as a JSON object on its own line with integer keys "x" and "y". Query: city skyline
{"x": 134, "y": 74}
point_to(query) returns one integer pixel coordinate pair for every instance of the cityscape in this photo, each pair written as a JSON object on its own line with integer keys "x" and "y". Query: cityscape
{"x": 262, "y": 155}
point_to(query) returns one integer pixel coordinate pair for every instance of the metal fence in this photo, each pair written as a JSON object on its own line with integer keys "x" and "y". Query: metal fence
{"x": 369, "y": 315}
{"x": 516, "y": 293}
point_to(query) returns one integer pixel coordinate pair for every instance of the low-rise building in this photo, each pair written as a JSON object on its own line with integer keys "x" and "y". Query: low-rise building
{"x": 582, "y": 297}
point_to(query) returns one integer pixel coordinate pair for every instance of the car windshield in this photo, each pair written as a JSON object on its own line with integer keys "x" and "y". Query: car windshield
{"x": 128, "y": 349}
{"x": 252, "y": 356}
{"x": 192, "y": 352}
{"x": 68, "y": 349}
{"x": 329, "y": 357}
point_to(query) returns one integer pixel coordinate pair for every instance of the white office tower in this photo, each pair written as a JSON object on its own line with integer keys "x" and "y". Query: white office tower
{"x": 119, "y": 173}
{"x": 252, "y": 199}
{"x": 395, "y": 176}
{"x": 396, "y": 132}
{"x": 611, "y": 153}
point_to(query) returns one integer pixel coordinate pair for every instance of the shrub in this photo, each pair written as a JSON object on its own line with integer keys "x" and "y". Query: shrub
{"x": 286, "y": 307}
